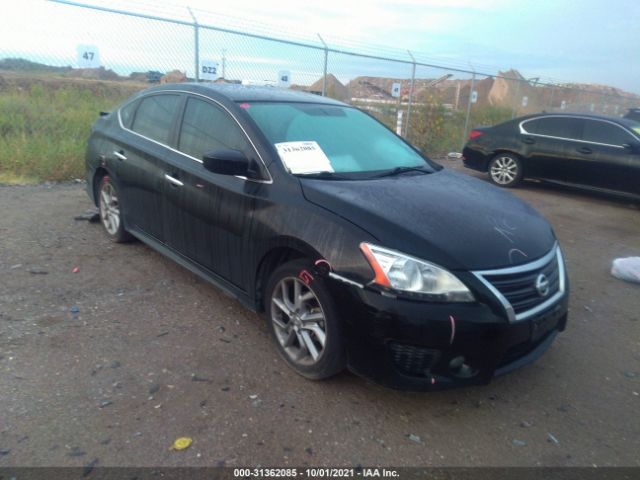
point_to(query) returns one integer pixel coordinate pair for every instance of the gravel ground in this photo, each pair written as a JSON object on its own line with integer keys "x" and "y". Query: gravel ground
{"x": 115, "y": 360}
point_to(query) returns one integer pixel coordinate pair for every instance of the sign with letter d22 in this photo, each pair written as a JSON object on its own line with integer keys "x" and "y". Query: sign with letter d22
{"x": 88, "y": 56}
{"x": 209, "y": 70}
{"x": 395, "y": 90}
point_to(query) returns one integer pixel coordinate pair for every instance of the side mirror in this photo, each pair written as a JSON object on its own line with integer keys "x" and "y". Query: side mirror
{"x": 226, "y": 162}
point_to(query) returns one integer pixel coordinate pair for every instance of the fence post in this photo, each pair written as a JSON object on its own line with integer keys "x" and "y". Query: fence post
{"x": 466, "y": 118}
{"x": 324, "y": 72}
{"x": 516, "y": 99}
{"x": 553, "y": 91}
{"x": 413, "y": 79}
{"x": 196, "y": 33}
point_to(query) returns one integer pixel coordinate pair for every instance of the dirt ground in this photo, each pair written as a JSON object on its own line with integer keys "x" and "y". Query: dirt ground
{"x": 117, "y": 360}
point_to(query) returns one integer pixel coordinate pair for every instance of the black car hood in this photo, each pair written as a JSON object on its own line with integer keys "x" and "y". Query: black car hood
{"x": 451, "y": 219}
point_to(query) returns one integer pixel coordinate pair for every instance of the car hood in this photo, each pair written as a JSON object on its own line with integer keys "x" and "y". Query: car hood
{"x": 450, "y": 219}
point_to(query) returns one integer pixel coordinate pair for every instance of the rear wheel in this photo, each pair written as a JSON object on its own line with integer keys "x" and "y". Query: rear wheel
{"x": 111, "y": 211}
{"x": 304, "y": 321}
{"x": 505, "y": 170}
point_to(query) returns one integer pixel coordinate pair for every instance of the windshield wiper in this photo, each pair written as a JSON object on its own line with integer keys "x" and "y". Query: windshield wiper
{"x": 399, "y": 170}
{"x": 323, "y": 176}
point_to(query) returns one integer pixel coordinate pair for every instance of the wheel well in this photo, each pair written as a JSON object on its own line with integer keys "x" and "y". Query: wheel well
{"x": 272, "y": 260}
{"x": 97, "y": 177}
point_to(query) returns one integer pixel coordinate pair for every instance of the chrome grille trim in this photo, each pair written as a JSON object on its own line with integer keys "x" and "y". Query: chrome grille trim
{"x": 535, "y": 265}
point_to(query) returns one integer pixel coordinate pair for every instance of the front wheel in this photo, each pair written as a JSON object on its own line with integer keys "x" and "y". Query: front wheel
{"x": 304, "y": 321}
{"x": 111, "y": 211}
{"x": 505, "y": 170}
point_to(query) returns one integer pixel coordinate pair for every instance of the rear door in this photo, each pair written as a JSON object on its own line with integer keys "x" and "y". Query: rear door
{"x": 547, "y": 142}
{"x": 138, "y": 157}
{"x": 207, "y": 216}
{"x": 606, "y": 162}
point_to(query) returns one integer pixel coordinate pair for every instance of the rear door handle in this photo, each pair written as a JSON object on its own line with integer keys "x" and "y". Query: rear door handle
{"x": 119, "y": 155}
{"x": 528, "y": 140}
{"x": 586, "y": 150}
{"x": 173, "y": 181}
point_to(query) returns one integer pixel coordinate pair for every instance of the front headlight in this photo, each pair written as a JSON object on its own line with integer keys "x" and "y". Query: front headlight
{"x": 407, "y": 274}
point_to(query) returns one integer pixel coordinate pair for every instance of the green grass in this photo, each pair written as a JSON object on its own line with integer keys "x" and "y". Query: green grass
{"x": 44, "y": 127}
{"x": 45, "y": 123}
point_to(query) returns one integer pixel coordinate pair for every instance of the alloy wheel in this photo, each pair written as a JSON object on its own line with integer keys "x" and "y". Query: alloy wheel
{"x": 504, "y": 170}
{"x": 109, "y": 208}
{"x": 298, "y": 320}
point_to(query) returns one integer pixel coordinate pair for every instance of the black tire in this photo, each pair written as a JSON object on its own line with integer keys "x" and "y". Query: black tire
{"x": 110, "y": 209}
{"x": 505, "y": 170}
{"x": 332, "y": 359}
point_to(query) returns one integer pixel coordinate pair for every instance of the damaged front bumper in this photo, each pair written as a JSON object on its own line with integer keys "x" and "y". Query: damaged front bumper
{"x": 413, "y": 345}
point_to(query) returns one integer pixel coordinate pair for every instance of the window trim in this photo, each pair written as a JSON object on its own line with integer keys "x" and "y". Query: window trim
{"x": 524, "y": 132}
{"x": 269, "y": 180}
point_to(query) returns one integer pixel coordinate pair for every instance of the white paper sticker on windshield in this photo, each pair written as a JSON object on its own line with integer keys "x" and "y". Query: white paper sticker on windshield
{"x": 303, "y": 157}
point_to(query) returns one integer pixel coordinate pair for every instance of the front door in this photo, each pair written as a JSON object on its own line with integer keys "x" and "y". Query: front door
{"x": 208, "y": 216}
{"x": 607, "y": 160}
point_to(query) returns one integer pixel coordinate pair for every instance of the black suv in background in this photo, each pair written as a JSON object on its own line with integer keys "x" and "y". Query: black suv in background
{"x": 596, "y": 152}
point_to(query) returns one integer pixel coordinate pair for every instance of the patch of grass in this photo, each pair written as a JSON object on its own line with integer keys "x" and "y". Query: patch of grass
{"x": 7, "y": 178}
{"x": 44, "y": 127}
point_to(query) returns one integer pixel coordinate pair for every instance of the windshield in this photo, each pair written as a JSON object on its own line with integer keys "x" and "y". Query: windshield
{"x": 313, "y": 138}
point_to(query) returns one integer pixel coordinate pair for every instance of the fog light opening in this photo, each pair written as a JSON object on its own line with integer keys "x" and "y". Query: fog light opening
{"x": 460, "y": 369}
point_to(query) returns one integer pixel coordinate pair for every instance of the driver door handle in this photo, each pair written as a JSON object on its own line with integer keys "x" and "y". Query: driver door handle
{"x": 173, "y": 181}
{"x": 119, "y": 155}
{"x": 586, "y": 150}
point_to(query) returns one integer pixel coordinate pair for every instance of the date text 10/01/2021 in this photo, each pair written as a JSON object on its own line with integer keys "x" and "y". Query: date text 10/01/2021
{"x": 314, "y": 472}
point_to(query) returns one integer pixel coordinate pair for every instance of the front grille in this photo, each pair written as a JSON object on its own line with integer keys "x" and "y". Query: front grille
{"x": 517, "y": 286}
{"x": 413, "y": 360}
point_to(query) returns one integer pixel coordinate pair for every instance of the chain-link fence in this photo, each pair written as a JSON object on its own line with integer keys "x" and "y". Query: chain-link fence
{"x": 61, "y": 42}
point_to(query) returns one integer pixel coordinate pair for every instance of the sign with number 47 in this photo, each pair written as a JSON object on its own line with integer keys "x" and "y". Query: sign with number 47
{"x": 88, "y": 56}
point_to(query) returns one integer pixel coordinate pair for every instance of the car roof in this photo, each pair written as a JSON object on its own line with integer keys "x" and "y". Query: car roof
{"x": 247, "y": 93}
{"x": 569, "y": 114}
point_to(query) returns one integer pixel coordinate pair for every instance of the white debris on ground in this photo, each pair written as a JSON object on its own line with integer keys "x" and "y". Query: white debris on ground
{"x": 627, "y": 269}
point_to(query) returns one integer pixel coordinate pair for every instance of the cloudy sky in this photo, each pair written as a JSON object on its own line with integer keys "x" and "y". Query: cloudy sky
{"x": 563, "y": 40}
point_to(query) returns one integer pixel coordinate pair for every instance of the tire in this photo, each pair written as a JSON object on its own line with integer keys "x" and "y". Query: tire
{"x": 505, "y": 170}
{"x": 111, "y": 211}
{"x": 307, "y": 332}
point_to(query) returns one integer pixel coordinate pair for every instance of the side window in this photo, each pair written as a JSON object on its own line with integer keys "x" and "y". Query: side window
{"x": 562, "y": 127}
{"x": 154, "y": 117}
{"x": 206, "y": 127}
{"x": 126, "y": 113}
{"x": 605, "y": 132}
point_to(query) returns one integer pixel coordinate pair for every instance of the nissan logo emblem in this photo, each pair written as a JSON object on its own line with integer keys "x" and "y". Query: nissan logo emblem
{"x": 542, "y": 285}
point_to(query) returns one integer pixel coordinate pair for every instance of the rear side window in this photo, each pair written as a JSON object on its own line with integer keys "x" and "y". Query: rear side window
{"x": 206, "y": 127}
{"x": 154, "y": 117}
{"x": 605, "y": 132}
{"x": 562, "y": 127}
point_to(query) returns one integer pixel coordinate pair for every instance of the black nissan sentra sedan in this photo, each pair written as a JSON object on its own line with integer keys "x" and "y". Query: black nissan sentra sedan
{"x": 360, "y": 251}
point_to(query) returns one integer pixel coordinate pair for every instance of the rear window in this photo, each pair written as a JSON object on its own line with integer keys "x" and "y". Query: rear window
{"x": 154, "y": 117}
{"x": 562, "y": 127}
